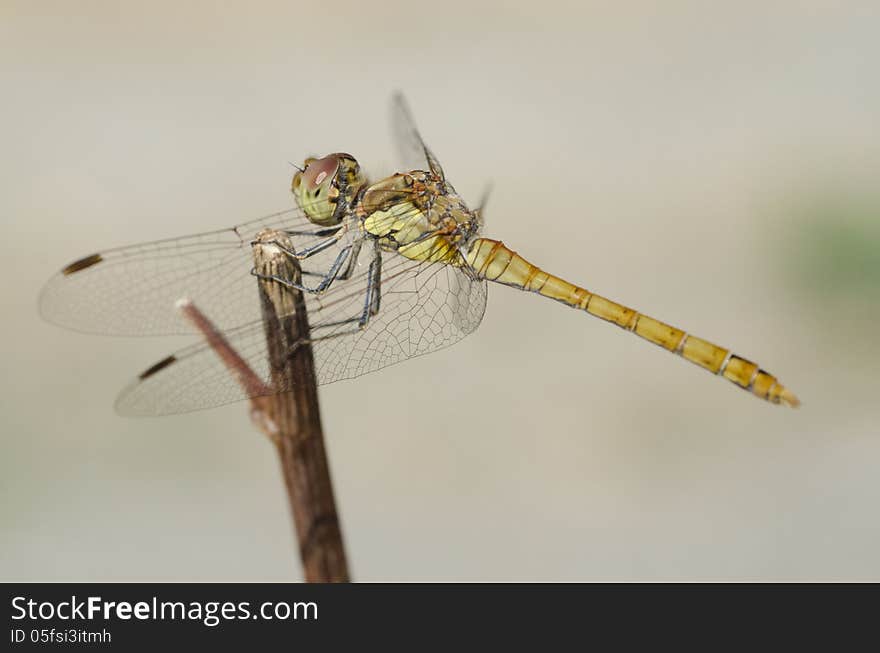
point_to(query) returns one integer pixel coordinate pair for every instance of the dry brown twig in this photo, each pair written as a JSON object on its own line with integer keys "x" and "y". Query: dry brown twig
{"x": 292, "y": 419}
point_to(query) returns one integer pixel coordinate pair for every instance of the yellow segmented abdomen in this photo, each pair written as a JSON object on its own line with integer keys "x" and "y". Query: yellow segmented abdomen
{"x": 494, "y": 261}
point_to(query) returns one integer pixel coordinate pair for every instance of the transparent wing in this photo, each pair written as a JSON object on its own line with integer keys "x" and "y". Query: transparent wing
{"x": 132, "y": 290}
{"x": 424, "y": 307}
{"x": 411, "y": 149}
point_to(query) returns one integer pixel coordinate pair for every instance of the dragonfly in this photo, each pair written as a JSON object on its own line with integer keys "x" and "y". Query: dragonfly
{"x": 390, "y": 269}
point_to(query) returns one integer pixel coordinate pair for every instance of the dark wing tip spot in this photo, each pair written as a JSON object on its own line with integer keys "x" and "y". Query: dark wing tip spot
{"x": 82, "y": 264}
{"x": 162, "y": 364}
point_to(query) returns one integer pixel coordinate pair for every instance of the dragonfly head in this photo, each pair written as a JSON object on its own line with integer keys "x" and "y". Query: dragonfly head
{"x": 324, "y": 187}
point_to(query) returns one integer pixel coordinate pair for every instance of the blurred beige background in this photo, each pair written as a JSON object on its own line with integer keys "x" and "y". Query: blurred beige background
{"x": 714, "y": 166}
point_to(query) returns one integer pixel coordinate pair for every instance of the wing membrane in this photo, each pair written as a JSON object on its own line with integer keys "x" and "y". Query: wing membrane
{"x": 424, "y": 307}
{"x": 411, "y": 148}
{"x": 132, "y": 290}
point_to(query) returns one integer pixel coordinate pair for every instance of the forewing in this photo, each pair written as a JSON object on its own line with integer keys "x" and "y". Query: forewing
{"x": 411, "y": 149}
{"x": 132, "y": 290}
{"x": 424, "y": 307}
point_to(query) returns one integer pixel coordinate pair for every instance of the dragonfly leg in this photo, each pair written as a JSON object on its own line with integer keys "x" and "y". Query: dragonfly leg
{"x": 317, "y": 233}
{"x": 374, "y": 292}
{"x": 325, "y": 282}
{"x": 347, "y": 271}
{"x": 352, "y": 261}
{"x": 372, "y": 298}
{"x": 334, "y": 235}
{"x": 307, "y": 251}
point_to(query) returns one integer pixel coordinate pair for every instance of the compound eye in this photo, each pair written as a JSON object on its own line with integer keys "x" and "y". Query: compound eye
{"x": 319, "y": 171}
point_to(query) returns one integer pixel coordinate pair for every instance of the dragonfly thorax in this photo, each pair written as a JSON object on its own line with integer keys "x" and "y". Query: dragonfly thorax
{"x": 418, "y": 215}
{"x": 325, "y": 187}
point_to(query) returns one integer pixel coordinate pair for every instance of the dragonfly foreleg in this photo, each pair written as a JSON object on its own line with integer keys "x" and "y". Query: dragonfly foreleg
{"x": 327, "y": 279}
{"x": 306, "y": 252}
